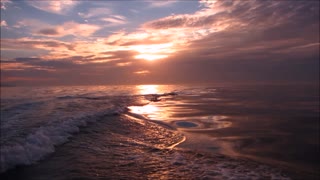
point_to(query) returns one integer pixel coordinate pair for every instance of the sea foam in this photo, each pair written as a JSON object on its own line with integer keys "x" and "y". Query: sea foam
{"x": 44, "y": 139}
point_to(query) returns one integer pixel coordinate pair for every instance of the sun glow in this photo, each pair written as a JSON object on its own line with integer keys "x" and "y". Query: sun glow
{"x": 148, "y": 89}
{"x": 153, "y": 51}
{"x": 150, "y": 57}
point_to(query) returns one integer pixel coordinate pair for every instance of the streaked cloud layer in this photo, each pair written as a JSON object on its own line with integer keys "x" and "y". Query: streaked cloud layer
{"x": 58, "y": 7}
{"x": 121, "y": 42}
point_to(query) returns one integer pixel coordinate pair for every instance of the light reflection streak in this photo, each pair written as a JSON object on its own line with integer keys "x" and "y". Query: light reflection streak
{"x": 147, "y": 109}
{"x": 148, "y": 89}
{"x": 183, "y": 114}
{"x": 153, "y": 111}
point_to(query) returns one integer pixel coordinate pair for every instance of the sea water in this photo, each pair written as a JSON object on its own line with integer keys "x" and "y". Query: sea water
{"x": 160, "y": 132}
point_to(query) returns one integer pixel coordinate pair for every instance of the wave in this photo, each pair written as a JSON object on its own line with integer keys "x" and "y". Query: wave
{"x": 44, "y": 140}
{"x": 61, "y": 117}
{"x": 83, "y": 97}
{"x": 60, "y": 125}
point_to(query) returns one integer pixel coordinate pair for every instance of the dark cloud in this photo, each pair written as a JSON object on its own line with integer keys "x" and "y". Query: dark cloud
{"x": 190, "y": 68}
{"x": 48, "y": 31}
{"x": 35, "y": 44}
{"x": 57, "y": 65}
{"x": 62, "y": 72}
{"x": 273, "y": 30}
{"x": 140, "y": 42}
{"x": 26, "y": 59}
{"x": 256, "y": 14}
{"x": 122, "y": 54}
{"x": 179, "y": 21}
{"x": 279, "y": 42}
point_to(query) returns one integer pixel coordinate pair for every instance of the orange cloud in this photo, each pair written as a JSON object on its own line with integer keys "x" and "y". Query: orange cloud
{"x": 19, "y": 66}
{"x": 3, "y": 23}
{"x": 124, "y": 64}
{"x": 94, "y": 51}
{"x": 143, "y": 72}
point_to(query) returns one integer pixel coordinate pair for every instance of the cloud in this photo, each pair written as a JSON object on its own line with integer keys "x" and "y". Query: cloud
{"x": 233, "y": 24}
{"x": 225, "y": 40}
{"x": 124, "y": 64}
{"x": 40, "y": 28}
{"x": 77, "y": 29}
{"x": 181, "y": 21}
{"x": 80, "y": 52}
{"x": 148, "y": 44}
{"x": 22, "y": 64}
{"x": 28, "y": 43}
{"x": 49, "y": 32}
{"x": 95, "y": 12}
{"x": 69, "y": 28}
{"x": 142, "y": 72}
{"x": 28, "y": 23}
{"x": 102, "y": 15}
{"x": 65, "y": 71}
{"x": 225, "y": 29}
{"x": 4, "y": 4}
{"x": 163, "y": 3}
{"x": 3, "y": 23}
{"x": 115, "y": 20}
{"x": 221, "y": 15}
{"x": 145, "y": 41}
{"x": 57, "y": 7}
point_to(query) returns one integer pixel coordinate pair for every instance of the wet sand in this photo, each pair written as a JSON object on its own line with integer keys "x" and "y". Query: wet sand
{"x": 138, "y": 149}
{"x": 246, "y": 140}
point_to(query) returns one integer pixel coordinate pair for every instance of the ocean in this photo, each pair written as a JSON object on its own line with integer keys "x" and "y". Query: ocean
{"x": 160, "y": 132}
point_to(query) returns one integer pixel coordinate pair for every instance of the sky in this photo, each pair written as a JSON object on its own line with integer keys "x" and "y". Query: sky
{"x": 72, "y": 42}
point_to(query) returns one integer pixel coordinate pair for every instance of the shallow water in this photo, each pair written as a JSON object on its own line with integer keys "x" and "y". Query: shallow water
{"x": 160, "y": 131}
{"x": 275, "y": 124}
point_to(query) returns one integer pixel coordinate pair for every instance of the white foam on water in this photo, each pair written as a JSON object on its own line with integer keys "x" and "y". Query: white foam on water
{"x": 44, "y": 139}
{"x": 222, "y": 167}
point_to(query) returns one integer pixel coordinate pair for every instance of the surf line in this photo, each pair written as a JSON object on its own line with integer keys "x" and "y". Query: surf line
{"x": 176, "y": 144}
{"x": 142, "y": 120}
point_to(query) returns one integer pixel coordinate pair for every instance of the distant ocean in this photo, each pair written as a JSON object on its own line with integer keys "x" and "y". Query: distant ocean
{"x": 160, "y": 132}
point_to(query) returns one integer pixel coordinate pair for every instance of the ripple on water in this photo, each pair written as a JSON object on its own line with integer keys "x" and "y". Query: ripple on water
{"x": 185, "y": 124}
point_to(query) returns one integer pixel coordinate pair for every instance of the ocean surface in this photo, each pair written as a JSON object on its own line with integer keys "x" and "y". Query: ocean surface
{"x": 160, "y": 132}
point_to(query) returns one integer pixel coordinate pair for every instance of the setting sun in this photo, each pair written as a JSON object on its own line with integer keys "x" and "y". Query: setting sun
{"x": 153, "y": 51}
{"x": 150, "y": 57}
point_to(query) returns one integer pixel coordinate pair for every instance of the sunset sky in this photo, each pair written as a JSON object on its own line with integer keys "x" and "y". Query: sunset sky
{"x": 151, "y": 42}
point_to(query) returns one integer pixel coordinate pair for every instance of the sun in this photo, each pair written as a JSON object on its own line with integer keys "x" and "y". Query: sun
{"x": 150, "y": 57}
{"x": 153, "y": 52}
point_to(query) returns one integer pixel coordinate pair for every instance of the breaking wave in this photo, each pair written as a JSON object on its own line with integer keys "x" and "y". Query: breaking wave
{"x": 43, "y": 141}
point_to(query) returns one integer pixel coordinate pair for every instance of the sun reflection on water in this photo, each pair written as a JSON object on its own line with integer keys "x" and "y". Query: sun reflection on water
{"x": 148, "y": 89}
{"x": 143, "y": 110}
{"x": 180, "y": 111}
{"x": 152, "y": 110}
